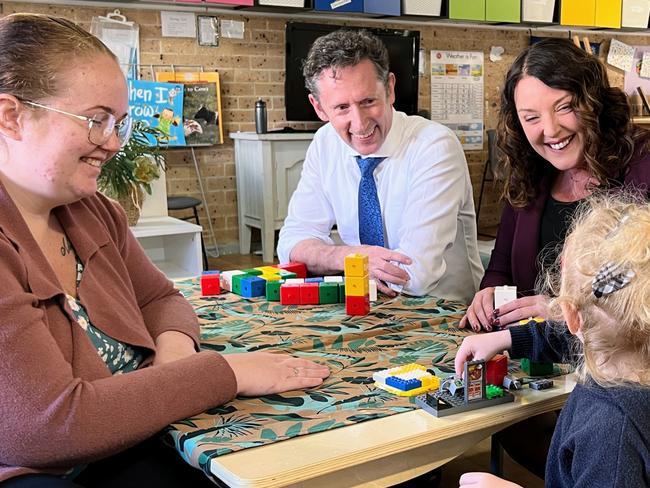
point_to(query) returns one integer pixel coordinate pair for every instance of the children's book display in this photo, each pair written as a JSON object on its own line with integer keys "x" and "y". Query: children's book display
{"x": 158, "y": 105}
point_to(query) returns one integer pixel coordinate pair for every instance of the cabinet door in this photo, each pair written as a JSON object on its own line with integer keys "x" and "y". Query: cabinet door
{"x": 635, "y": 13}
{"x": 537, "y": 10}
{"x": 608, "y": 13}
{"x": 467, "y": 9}
{"x": 578, "y": 12}
{"x": 503, "y": 10}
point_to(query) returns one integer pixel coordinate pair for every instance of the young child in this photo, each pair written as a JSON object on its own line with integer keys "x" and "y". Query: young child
{"x": 602, "y": 437}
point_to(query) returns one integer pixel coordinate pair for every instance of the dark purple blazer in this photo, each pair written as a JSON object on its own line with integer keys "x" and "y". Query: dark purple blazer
{"x": 514, "y": 258}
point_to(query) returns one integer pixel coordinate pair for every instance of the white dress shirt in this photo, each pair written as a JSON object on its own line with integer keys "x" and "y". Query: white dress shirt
{"x": 426, "y": 202}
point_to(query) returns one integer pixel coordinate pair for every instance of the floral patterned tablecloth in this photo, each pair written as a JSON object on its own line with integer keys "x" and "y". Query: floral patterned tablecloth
{"x": 397, "y": 331}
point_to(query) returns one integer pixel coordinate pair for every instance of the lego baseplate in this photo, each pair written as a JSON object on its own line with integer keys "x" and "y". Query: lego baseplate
{"x": 442, "y": 404}
{"x": 407, "y": 380}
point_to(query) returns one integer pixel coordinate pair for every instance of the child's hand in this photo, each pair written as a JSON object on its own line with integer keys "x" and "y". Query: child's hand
{"x": 483, "y": 346}
{"x": 484, "y": 480}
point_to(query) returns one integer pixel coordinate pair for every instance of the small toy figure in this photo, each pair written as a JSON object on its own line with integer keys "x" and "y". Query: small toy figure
{"x": 511, "y": 383}
{"x": 542, "y": 384}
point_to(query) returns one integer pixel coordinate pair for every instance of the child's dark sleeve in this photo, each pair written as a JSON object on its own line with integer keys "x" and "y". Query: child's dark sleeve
{"x": 543, "y": 342}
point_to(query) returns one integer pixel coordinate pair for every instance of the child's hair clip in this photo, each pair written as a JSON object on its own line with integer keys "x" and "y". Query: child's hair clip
{"x": 624, "y": 218}
{"x": 611, "y": 277}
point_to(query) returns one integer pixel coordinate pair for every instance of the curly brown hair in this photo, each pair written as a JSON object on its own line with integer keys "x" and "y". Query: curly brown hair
{"x": 610, "y": 137}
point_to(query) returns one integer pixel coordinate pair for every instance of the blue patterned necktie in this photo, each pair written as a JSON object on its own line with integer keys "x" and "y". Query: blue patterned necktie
{"x": 371, "y": 227}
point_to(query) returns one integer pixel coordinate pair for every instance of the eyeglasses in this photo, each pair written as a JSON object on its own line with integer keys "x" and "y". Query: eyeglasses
{"x": 100, "y": 126}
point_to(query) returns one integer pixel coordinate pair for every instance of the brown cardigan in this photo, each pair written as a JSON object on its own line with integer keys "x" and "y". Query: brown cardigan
{"x": 59, "y": 404}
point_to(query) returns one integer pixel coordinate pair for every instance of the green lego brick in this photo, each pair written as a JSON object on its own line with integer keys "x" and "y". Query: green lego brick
{"x": 236, "y": 282}
{"x": 493, "y": 391}
{"x": 252, "y": 271}
{"x": 328, "y": 292}
{"x": 341, "y": 286}
{"x": 287, "y": 274}
{"x": 273, "y": 290}
{"x": 536, "y": 369}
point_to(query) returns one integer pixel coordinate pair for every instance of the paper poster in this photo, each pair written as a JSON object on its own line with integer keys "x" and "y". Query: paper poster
{"x": 620, "y": 55}
{"x": 645, "y": 65}
{"x": 457, "y": 94}
{"x": 178, "y": 24}
{"x": 158, "y": 105}
{"x": 201, "y": 105}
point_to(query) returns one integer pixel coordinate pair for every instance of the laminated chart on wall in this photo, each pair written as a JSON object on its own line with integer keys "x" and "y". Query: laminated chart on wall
{"x": 457, "y": 94}
{"x": 639, "y": 74}
{"x": 122, "y": 37}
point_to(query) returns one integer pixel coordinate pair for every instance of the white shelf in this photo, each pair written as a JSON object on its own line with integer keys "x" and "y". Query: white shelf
{"x": 172, "y": 244}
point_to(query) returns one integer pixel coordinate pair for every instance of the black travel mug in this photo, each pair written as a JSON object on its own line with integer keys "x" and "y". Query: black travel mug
{"x": 260, "y": 116}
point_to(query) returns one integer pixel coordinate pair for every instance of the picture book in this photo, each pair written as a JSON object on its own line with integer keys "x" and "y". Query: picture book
{"x": 201, "y": 105}
{"x": 158, "y": 105}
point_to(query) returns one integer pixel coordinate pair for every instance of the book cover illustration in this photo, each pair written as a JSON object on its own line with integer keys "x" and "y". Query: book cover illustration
{"x": 201, "y": 105}
{"x": 158, "y": 105}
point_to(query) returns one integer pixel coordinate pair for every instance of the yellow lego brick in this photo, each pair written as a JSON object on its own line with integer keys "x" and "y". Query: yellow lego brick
{"x": 268, "y": 270}
{"x": 270, "y": 277}
{"x": 430, "y": 382}
{"x": 357, "y": 286}
{"x": 356, "y": 265}
{"x": 407, "y": 393}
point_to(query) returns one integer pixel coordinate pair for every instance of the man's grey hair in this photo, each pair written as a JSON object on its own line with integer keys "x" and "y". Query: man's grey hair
{"x": 341, "y": 49}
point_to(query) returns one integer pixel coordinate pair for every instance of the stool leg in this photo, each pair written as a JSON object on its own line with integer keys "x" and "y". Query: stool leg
{"x": 206, "y": 265}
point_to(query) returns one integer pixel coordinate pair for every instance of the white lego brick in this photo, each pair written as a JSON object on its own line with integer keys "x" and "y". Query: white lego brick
{"x": 333, "y": 279}
{"x": 225, "y": 278}
{"x": 372, "y": 290}
{"x": 294, "y": 281}
{"x": 504, "y": 294}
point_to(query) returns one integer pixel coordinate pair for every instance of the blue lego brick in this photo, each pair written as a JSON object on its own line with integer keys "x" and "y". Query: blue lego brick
{"x": 211, "y": 272}
{"x": 253, "y": 287}
{"x": 314, "y": 280}
{"x": 402, "y": 384}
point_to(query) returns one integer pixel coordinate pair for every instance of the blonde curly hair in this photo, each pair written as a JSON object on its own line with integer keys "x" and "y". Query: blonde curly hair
{"x": 615, "y": 328}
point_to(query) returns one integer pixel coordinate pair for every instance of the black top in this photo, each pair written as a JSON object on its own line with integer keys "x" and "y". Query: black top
{"x": 556, "y": 220}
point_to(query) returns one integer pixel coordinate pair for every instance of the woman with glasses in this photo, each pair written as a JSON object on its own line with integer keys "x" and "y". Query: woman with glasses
{"x": 98, "y": 351}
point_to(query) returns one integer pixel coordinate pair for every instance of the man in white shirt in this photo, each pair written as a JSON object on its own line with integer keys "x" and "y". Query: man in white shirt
{"x": 422, "y": 182}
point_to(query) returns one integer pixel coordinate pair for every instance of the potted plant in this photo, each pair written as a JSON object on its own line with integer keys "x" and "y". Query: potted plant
{"x": 129, "y": 174}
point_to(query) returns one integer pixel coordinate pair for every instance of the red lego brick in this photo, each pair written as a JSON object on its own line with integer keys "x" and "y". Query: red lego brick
{"x": 299, "y": 268}
{"x": 357, "y": 305}
{"x": 309, "y": 294}
{"x": 210, "y": 284}
{"x": 290, "y": 295}
{"x": 496, "y": 369}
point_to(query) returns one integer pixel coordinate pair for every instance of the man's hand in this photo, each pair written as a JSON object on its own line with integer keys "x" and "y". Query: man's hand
{"x": 382, "y": 267}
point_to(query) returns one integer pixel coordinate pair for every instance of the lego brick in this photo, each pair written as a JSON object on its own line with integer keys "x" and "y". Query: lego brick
{"x": 467, "y": 9}
{"x": 403, "y": 384}
{"x": 382, "y": 7}
{"x": 407, "y": 380}
{"x": 294, "y": 281}
{"x": 496, "y": 370}
{"x": 608, "y": 13}
{"x": 252, "y": 271}
{"x": 236, "y": 282}
{"x": 636, "y": 13}
{"x": 252, "y": 287}
{"x": 532, "y": 368}
{"x": 226, "y": 278}
{"x": 315, "y": 279}
{"x": 511, "y": 383}
{"x": 270, "y": 277}
{"x": 356, "y": 265}
{"x": 299, "y": 268}
{"x": 504, "y": 294}
{"x": 578, "y": 12}
{"x": 503, "y": 10}
{"x": 333, "y": 279}
{"x": 493, "y": 391}
{"x": 372, "y": 290}
{"x": 543, "y": 384}
{"x": 339, "y": 5}
{"x": 341, "y": 292}
{"x": 328, "y": 293}
{"x": 283, "y": 273}
{"x": 356, "y": 286}
{"x": 268, "y": 270}
{"x": 289, "y": 294}
{"x": 355, "y": 305}
{"x": 273, "y": 290}
{"x": 210, "y": 283}
{"x": 309, "y": 294}
{"x": 441, "y": 404}
{"x": 537, "y": 10}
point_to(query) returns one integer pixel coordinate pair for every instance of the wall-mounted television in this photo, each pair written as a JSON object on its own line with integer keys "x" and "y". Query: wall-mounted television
{"x": 403, "y": 54}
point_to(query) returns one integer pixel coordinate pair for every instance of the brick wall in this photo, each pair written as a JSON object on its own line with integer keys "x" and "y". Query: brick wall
{"x": 253, "y": 67}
